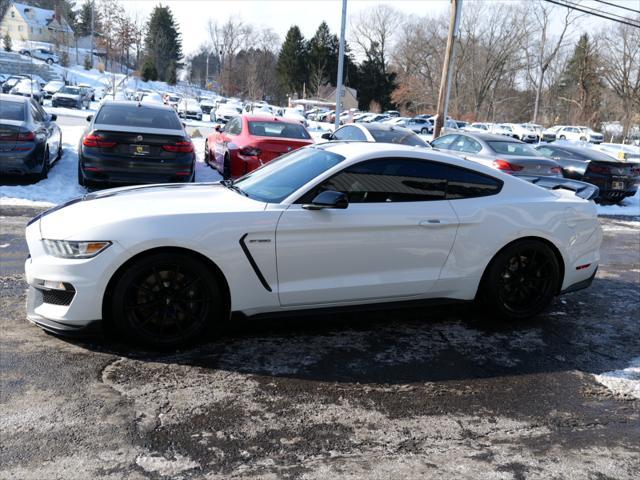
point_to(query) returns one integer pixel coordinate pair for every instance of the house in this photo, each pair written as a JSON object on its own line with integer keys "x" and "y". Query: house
{"x": 32, "y": 24}
{"x": 349, "y": 99}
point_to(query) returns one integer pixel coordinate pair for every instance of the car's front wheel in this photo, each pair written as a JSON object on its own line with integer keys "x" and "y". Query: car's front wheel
{"x": 50, "y": 61}
{"x": 424, "y": 131}
{"x": 521, "y": 280}
{"x": 166, "y": 300}
{"x": 562, "y": 137}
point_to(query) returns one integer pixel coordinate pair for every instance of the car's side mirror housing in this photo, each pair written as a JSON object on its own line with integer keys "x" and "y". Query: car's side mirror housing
{"x": 327, "y": 136}
{"x": 328, "y": 199}
{"x": 218, "y": 128}
{"x": 89, "y": 118}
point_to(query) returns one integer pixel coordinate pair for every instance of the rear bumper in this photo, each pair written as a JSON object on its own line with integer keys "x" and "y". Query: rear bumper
{"x": 19, "y": 163}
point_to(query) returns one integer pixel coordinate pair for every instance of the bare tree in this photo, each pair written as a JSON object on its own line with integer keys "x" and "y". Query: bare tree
{"x": 376, "y": 25}
{"x": 544, "y": 47}
{"x": 621, "y": 60}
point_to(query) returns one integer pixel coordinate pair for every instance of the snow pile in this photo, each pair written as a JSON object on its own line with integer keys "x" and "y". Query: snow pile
{"x": 62, "y": 182}
{"x": 630, "y": 206}
{"x": 624, "y": 382}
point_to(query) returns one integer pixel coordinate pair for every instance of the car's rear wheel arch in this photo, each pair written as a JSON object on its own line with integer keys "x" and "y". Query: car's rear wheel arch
{"x": 109, "y": 291}
{"x": 544, "y": 241}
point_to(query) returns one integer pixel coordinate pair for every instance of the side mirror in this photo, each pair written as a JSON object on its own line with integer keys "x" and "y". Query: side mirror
{"x": 89, "y": 118}
{"x": 218, "y": 128}
{"x": 328, "y": 199}
{"x": 53, "y": 117}
{"x": 327, "y": 136}
{"x": 184, "y": 125}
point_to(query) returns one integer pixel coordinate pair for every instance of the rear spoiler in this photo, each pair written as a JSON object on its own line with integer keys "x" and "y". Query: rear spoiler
{"x": 581, "y": 189}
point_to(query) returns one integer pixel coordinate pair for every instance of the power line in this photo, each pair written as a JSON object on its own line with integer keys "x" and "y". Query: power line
{"x": 626, "y": 21}
{"x": 618, "y": 6}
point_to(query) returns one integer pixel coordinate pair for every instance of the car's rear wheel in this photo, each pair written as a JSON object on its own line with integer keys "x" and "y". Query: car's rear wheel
{"x": 521, "y": 280}
{"x": 206, "y": 152}
{"x": 226, "y": 167}
{"x": 562, "y": 137}
{"x": 44, "y": 172}
{"x": 166, "y": 300}
{"x": 424, "y": 131}
{"x": 50, "y": 61}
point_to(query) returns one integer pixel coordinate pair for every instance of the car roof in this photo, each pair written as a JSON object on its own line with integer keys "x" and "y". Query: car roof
{"x": 487, "y": 137}
{"x": 127, "y": 103}
{"x": 13, "y": 98}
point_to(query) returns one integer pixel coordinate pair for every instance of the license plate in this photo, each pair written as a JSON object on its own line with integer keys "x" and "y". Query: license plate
{"x": 617, "y": 185}
{"x": 140, "y": 149}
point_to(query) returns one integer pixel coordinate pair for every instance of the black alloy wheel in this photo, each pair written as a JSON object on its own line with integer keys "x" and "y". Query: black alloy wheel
{"x": 521, "y": 280}
{"x": 206, "y": 152}
{"x": 226, "y": 167}
{"x": 166, "y": 300}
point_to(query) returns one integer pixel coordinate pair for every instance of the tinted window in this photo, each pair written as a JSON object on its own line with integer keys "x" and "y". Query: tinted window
{"x": 35, "y": 113}
{"x": 387, "y": 180}
{"x": 349, "y": 133}
{"x": 11, "y": 110}
{"x": 403, "y": 137}
{"x": 463, "y": 183}
{"x": 278, "y": 129}
{"x": 71, "y": 90}
{"x": 444, "y": 141}
{"x": 138, "y": 116}
{"x": 513, "y": 148}
{"x": 234, "y": 127}
{"x": 281, "y": 177}
{"x": 546, "y": 151}
{"x": 465, "y": 144}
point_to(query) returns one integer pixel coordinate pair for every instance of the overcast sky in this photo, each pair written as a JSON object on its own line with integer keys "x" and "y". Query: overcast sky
{"x": 192, "y": 15}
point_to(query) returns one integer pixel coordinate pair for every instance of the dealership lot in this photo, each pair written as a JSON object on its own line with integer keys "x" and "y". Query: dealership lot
{"x": 446, "y": 393}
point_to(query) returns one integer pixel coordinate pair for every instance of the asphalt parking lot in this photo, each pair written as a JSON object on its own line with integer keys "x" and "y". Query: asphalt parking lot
{"x": 446, "y": 393}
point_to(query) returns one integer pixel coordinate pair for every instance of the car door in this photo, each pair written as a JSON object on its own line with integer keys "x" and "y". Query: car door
{"x": 54, "y": 134}
{"x": 390, "y": 243}
{"x": 231, "y": 130}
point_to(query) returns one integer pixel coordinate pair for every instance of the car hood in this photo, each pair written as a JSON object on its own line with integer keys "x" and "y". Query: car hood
{"x": 99, "y": 209}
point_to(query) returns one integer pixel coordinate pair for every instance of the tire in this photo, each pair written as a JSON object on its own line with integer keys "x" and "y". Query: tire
{"x": 582, "y": 139}
{"x": 562, "y": 137}
{"x": 81, "y": 181}
{"x": 50, "y": 61}
{"x": 44, "y": 173}
{"x": 226, "y": 167}
{"x": 521, "y": 280}
{"x": 424, "y": 131}
{"x": 206, "y": 152}
{"x": 166, "y": 300}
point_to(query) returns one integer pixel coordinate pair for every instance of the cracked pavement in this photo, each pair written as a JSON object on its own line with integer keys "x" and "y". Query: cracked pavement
{"x": 439, "y": 393}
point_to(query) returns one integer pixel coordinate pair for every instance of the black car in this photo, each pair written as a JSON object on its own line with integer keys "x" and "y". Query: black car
{"x": 30, "y": 140}
{"x": 376, "y": 132}
{"x": 498, "y": 151}
{"x": 134, "y": 143}
{"x": 71, "y": 97}
{"x": 616, "y": 180}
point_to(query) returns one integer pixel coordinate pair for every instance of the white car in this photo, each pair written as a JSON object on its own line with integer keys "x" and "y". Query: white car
{"x": 42, "y": 54}
{"x": 579, "y": 134}
{"x": 326, "y": 226}
{"x": 54, "y": 86}
{"x": 478, "y": 127}
{"x": 524, "y": 132}
{"x": 226, "y": 111}
{"x": 190, "y": 108}
{"x": 28, "y": 88}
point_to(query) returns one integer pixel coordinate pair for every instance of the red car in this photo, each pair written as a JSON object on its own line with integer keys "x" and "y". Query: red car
{"x": 246, "y": 142}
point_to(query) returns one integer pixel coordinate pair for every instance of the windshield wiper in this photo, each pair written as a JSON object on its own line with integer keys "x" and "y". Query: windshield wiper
{"x": 229, "y": 184}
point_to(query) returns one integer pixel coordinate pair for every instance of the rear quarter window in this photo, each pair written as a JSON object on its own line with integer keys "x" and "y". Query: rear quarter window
{"x": 402, "y": 137}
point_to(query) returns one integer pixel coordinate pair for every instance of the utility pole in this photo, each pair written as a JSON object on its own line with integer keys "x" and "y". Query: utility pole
{"x": 340, "y": 64}
{"x": 445, "y": 82}
{"x": 91, "y": 53}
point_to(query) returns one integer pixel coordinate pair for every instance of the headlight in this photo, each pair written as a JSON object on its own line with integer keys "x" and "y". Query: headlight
{"x": 71, "y": 249}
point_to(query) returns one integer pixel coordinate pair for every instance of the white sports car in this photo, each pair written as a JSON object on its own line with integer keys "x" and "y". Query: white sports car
{"x": 334, "y": 225}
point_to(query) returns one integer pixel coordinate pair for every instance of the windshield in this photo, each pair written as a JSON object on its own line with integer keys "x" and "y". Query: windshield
{"x": 138, "y": 116}
{"x": 513, "y": 148}
{"x": 280, "y": 178}
{"x": 70, "y": 90}
{"x": 277, "y": 129}
{"x": 403, "y": 137}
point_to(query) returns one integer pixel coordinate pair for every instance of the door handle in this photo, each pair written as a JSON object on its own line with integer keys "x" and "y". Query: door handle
{"x": 434, "y": 222}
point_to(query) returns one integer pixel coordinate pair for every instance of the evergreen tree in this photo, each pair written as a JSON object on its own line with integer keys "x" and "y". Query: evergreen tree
{"x": 83, "y": 27}
{"x": 292, "y": 62}
{"x": 324, "y": 50}
{"x": 582, "y": 82}
{"x": 148, "y": 70}
{"x": 373, "y": 83}
{"x": 163, "y": 43}
{"x": 7, "y": 42}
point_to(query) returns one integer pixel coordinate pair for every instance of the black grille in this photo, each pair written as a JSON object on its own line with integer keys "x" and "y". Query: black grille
{"x": 57, "y": 297}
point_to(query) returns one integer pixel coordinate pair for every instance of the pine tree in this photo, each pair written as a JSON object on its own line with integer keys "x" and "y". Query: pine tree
{"x": 292, "y": 62}
{"x": 163, "y": 43}
{"x": 148, "y": 70}
{"x": 324, "y": 50}
{"x": 83, "y": 27}
{"x": 374, "y": 84}
{"x": 6, "y": 41}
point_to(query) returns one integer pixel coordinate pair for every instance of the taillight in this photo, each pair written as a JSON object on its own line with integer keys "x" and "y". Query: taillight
{"x": 556, "y": 170}
{"x": 26, "y": 137}
{"x": 179, "y": 147}
{"x": 250, "y": 152}
{"x": 506, "y": 166}
{"x": 603, "y": 169}
{"x": 97, "y": 141}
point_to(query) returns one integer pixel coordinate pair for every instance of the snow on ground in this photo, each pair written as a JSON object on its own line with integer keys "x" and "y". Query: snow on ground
{"x": 62, "y": 183}
{"x": 624, "y": 382}
{"x": 71, "y": 112}
{"x": 629, "y": 207}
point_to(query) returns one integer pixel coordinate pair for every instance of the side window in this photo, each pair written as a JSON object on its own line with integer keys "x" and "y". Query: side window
{"x": 546, "y": 151}
{"x": 43, "y": 114}
{"x": 349, "y": 133}
{"x": 463, "y": 183}
{"x": 387, "y": 180}
{"x": 35, "y": 113}
{"x": 234, "y": 127}
{"x": 444, "y": 141}
{"x": 466, "y": 144}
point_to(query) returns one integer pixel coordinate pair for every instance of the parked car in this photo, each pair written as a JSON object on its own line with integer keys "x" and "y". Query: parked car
{"x": 226, "y": 111}
{"x": 544, "y": 135}
{"x": 54, "y": 86}
{"x": 392, "y": 113}
{"x": 295, "y": 114}
{"x": 130, "y": 142}
{"x": 189, "y": 108}
{"x": 615, "y": 179}
{"x": 335, "y": 224}
{"x": 376, "y": 132}
{"x": 503, "y": 129}
{"x": 30, "y": 140}
{"x": 582, "y": 134}
{"x": 423, "y": 126}
{"x": 507, "y": 154}
{"x": 41, "y": 54}
{"x": 11, "y": 82}
{"x": 206, "y": 105}
{"x": 90, "y": 91}
{"x": 70, "y": 97}
{"x": 523, "y": 132}
{"x": 478, "y": 127}
{"x": 247, "y": 142}
{"x": 28, "y": 88}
